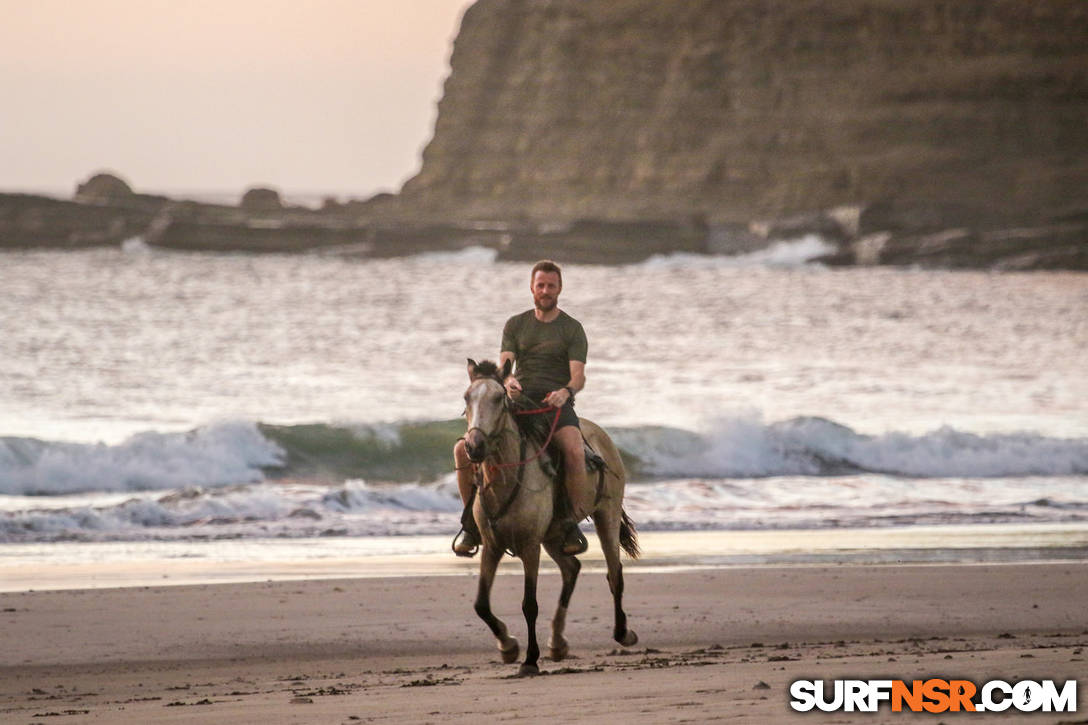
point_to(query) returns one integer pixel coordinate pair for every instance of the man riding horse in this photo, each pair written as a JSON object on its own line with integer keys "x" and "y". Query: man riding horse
{"x": 549, "y": 347}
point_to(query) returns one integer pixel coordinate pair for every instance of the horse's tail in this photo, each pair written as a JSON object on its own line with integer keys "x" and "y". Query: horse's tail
{"x": 628, "y": 536}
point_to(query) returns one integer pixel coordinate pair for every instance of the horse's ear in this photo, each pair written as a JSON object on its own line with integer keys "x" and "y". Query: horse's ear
{"x": 471, "y": 369}
{"x": 506, "y": 369}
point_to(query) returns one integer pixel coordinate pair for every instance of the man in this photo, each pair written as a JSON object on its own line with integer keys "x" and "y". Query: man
{"x": 549, "y": 347}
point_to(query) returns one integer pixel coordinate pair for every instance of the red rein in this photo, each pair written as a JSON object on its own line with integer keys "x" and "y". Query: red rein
{"x": 540, "y": 451}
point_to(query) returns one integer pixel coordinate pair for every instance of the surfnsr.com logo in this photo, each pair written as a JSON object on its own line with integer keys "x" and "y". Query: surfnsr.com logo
{"x": 933, "y": 695}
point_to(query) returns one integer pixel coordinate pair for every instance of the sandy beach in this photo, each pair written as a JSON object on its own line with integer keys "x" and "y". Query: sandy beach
{"x": 716, "y": 644}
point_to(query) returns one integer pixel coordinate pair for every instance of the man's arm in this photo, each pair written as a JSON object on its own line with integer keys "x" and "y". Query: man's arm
{"x": 559, "y": 398}
{"x": 577, "y": 375}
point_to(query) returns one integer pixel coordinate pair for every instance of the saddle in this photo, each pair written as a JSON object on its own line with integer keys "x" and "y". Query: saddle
{"x": 537, "y": 428}
{"x": 552, "y": 462}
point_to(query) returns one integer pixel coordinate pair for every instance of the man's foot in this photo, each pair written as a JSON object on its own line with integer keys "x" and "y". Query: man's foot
{"x": 574, "y": 542}
{"x": 467, "y": 545}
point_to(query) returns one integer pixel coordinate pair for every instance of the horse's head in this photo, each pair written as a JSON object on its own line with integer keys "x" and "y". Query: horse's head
{"x": 485, "y": 406}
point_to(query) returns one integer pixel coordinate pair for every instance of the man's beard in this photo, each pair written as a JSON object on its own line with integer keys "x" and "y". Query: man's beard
{"x": 545, "y": 304}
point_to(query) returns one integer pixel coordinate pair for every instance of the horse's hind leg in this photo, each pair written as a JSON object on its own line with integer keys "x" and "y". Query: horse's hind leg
{"x": 489, "y": 562}
{"x": 608, "y": 531}
{"x": 530, "y": 559}
{"x": 569, "y": 568}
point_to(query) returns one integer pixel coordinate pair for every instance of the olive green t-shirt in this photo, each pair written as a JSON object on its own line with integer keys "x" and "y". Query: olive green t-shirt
{"x": 543, "y": 350}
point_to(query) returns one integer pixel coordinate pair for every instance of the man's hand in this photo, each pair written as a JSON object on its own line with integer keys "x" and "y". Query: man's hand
{"x": 512, "y": 385}
{"x": 558, "y": 398}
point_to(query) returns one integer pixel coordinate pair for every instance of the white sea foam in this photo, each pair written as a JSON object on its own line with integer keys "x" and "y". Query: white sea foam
{"x": 244, "y": 510}
{"x": 785, "y": 253}
{"x": 135, "y": 245}
{"x": 357, "y": 496}
{"x": 789, "y": 253}
{"x": 468, "y": 255}
{"x": 739, "y": 447}
{"x": 852, "y": 501}
{"x": 356, "y": 508}
{"x": 213, "y": 455}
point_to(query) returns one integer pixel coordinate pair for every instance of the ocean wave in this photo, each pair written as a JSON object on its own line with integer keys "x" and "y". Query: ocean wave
{"x": 213, "y": 455}
{"x": 356, "y": 508}
{"x": 240, "y": 452}
{"x": 246, "y": 510}
{"x": 811, "y": 446}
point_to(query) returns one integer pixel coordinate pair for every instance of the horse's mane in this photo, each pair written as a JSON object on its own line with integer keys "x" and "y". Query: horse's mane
{"x": 487, "y": 369}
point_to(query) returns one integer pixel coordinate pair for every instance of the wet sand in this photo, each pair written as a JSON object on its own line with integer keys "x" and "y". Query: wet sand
{"x": 86, "y": 565}
{"x": 716, "y": 644}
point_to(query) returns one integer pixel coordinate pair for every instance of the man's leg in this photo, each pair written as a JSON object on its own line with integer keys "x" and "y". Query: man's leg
{"x": 569, "y": 439}
{"x": 467, "y": 544}
{"x": 464, "y": 471}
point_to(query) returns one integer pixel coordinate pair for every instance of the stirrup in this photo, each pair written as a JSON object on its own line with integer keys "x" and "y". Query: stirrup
{"x": 574, "y": 542}
{"x": 468, "y": 545}
{"x": 593, "y": 460}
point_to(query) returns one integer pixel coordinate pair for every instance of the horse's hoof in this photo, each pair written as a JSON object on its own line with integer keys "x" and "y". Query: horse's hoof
{"x": 528, "y": 670}
{"x": 630, "y": 639}
{"x": 558, "y": 650}
{"x": 510, "y": 651}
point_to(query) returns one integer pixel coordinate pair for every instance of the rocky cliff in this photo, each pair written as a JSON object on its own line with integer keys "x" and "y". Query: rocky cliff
{"x": 936, "y": 113}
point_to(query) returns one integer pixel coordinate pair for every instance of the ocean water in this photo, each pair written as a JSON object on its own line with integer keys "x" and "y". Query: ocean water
{"x": 151, "y": 396}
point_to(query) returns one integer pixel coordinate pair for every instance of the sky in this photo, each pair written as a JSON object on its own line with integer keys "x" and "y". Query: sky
{"x": 307, "y": 96}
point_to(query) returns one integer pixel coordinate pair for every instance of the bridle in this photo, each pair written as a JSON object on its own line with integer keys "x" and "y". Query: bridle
{"x": 492, "y": 438}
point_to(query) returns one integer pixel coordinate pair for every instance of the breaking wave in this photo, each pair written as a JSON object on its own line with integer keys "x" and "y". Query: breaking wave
{"x": 244, "y": 452}
{"x": 213, "y": 455}
{"x": 732, "y": 448}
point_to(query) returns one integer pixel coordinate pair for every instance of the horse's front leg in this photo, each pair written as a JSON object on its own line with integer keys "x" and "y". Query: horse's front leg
{"x": 489, "y": 562}
{"x": 530, "y": 560}
{"x": 569, "y": 567}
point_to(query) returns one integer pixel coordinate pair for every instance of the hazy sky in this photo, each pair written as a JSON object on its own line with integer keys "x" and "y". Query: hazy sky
{"x": 305, "y": 95}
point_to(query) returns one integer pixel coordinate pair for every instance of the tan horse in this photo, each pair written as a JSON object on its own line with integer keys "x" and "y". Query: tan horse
{"x": 514, "y": 507}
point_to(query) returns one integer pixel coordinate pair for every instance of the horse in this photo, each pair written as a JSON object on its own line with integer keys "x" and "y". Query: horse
{"x": 514, "y": 506}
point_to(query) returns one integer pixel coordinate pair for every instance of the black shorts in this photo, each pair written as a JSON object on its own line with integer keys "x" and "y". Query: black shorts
{"x": 567, "y": 416}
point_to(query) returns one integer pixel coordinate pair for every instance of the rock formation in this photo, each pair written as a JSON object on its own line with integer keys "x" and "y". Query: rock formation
{"x": 972, "y": 113}
{"x": 261, "y": 199}
{"x": 103, "y": 188}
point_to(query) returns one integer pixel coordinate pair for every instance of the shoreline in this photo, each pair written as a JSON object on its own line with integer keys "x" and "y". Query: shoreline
{"x": 97, "y": 565}
{"x": 714, "y": 644}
